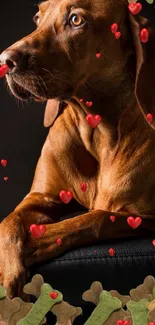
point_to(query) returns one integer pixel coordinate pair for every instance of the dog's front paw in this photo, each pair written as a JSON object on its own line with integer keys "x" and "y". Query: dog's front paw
{"x": 12, "y": 269}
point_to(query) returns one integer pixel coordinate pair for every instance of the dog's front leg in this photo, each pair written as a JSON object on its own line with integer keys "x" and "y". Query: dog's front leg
{"x": 90, "y": 228}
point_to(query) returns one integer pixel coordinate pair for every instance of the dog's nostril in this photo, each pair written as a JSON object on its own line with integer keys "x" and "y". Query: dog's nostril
{"x": 10, "y": 57}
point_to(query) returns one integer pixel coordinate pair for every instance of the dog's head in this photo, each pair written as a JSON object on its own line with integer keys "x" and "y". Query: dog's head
{"x": 73, "y": 43}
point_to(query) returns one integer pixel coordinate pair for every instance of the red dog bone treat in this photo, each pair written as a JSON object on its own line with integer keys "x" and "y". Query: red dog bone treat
{"x": 144, "y": 35}
{"x": 135, "y": 8}
{"x": 134, "y": 222}
{"x": 37, "y": 230}
{"x": 4, "y": 162}
{"x": 93, "y": 120}
{"x": 3, "y": 70}
{"x": 66, "y": 196}
{"x": 114, "y": 28}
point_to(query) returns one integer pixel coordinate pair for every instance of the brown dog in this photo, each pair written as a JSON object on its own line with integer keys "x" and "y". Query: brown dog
{"x": 58, "y": 62}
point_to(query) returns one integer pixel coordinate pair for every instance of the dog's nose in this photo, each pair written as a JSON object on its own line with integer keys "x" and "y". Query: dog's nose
{"x": 12, "y": 58}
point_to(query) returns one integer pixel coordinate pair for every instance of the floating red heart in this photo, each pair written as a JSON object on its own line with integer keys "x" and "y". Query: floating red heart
{"x": 53, "y": 295}
{"x": 149, "y": 118}
{"x": 37, "y": 230}
{"x": 81, "y": 100}
{"x": 83, "y": 187}
{"x": 98, "y": 55}
{"x": 123, "y": 322}
{"x": 89, "y": 104}
{"x": 3, "y": 70}
{"x": 117, "y": 35}
{"x": 111, "y": 252}
{"x": 144, "y": 35}
{"x": 66, "y": 196}
{"x": 153, "y": 242}
{"x": 112, "y": 218}
{"x": 134, "y": 222}
{"x": 6, "y": 178}
{"x": 151, "y": 323}
{"x": 4, "y": 162}
{"x": 58, "y": 241}
{"x": 93, "y": 120}
{"x": 135, "y": 8}
{"x": 114, "y": 28}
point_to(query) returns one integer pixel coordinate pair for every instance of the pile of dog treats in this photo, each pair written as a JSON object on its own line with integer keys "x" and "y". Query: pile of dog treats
{"x": 109, "y": 306}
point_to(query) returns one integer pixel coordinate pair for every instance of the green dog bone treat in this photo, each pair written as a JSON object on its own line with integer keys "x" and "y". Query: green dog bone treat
{"x": 107, "y": 304}
{"x": 47, "y": 299}
{"x": 2, "y": 292}
{"x": 150, "y": 1}
{"x": 139, "y": 312}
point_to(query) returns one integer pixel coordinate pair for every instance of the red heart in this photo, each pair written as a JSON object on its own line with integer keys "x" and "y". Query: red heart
{"x": 112, "y": 218}
{"x": 144, "y": 35}
{"x": 98, "y": 55}
{"x": 83, "y": 187}
{"x": 89, "y": 104}
{"x": 3, "y": 70}
{"x": 58, "y": 241}
{"x": 117, "y": 35}
{"x": 123, "y": 322}
{"x": 114, "y": 28}
{"x": 4, "y": 162}
{"x": 81, "y": 100}
{"x": 151, "y": 323}
{"x": 37, "y": 231}
{"x": 93, "y": 120}
{"x": 135, "y": 8}
{"x": 153, "y": 242}
{"x": 134, "y": 222}
{"x": 111, "y": 252}
{"x": 149, "y": 117}
{"x": 66, "y": 196}
{"x": 6, "y": 178}
{"x": 53, "y": 295}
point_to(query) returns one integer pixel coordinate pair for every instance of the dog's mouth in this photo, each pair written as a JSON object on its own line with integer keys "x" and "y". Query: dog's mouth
{"x": 25, "y": 89}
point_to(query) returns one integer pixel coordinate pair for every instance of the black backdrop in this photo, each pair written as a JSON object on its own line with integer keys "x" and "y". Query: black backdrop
{"x": 21, "y": 125}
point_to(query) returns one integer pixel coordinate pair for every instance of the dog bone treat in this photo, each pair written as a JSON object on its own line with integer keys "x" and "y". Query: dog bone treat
{"x": 104, "y": 309}
{"x": 21, "y": 313}
{"x": 34, "y": 287}
{"x": 93, "y": 294}
{"x": 7, "y": 306}
{"x": 144, "y": 290}
{"x": 138, "y": 310}
{"x": 63, "y": 312}
{"x": 42, "y": 306}
{"x": 3, "y": 70}
{"x": 123, "y": 299}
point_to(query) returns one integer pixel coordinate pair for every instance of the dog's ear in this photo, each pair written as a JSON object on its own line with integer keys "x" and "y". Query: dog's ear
{"x": 145, "y": 66}
{"x": 51, "y": 112}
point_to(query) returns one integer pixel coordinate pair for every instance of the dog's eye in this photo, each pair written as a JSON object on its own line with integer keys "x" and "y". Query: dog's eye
{"x": 76, "y": 20}
{"x": 36, "y": 19}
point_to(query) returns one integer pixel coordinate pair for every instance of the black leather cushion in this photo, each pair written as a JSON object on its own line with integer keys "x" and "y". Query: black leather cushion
{"x": 74, "y": 272}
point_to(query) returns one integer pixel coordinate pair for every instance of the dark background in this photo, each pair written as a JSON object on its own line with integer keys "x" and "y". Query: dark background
{"x": 21, "y": 124}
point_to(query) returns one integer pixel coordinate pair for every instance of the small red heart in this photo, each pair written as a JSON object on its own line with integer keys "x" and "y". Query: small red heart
{"x": 53, "y": 295}
{"x": 93, "y": 120}
{"x": 151, "y": 323}
{"x": 66, "y": 196}
{"x": 112, "y": 218}
{"x": 4, "y": 162}
{"x": 123, "y": 322}
{"x": 98, "y": 55}
{"x": 144, "y": 35}
{"x": 135, "y": 8}
{"x": 111, "y": 252}
{"x": 117, "y": 35}
{"x": 3, "y": 70}
{"x": 153, "y": 242}
{"x": 6, "y": 178}
{"x": 114, "y": 28}
{"x": 58, "y": 241}
{"x": 89, "y": 104}
{"x": 134, "y": 222}
{"x": 149, "y": 118}
{"x": 81, "y": 100}
{"x": 83, "y": 187}
{"x": 37, "y": 230}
